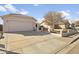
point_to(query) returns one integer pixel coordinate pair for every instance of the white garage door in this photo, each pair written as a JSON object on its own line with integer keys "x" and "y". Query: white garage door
{"x": 19, "y": 26}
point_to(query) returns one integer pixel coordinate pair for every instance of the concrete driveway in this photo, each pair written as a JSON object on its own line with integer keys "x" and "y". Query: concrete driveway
{"x": 35, "y": 42}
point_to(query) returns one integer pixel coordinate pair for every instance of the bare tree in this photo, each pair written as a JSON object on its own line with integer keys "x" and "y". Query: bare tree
{"x": 76, "y": 23}
{"x": 67, "y": 24}
{"x": 52, "y": 18}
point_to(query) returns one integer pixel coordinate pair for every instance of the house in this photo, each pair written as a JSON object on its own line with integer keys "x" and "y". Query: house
{"x": 18, "y": 22}
{"x": 64, "y": 24}
{"x": 61, "y": 24}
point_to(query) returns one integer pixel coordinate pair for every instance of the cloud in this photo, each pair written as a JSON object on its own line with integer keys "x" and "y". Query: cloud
{"x": 11, "y": 8}
{"x": 40, "y": 19}
{"x": 2, "y": 9}
{"x": 77, "y": 12}
{"x": 36, "y": 5}
{"x": 65, "y": 14}
{"x": 24, "y": 12}
{"x": 67, "y": 10}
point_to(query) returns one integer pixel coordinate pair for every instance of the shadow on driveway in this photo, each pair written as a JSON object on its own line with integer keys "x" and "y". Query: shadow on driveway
{"x": 31, "y": 33}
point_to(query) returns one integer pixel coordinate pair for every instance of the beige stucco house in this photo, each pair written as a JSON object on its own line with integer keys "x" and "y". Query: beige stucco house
{"x": 61, "y": 24}
{"x": 18, "y": 22}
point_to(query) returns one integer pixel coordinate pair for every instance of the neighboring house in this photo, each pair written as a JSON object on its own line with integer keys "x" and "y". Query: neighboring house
{"x": 45, "y": 25}
{"x": 64, "y": 24}
{"x": 59, "y": 25}
{"x": 18, "y": 22}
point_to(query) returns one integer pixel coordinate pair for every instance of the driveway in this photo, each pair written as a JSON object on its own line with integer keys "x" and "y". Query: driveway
{"x": 35, "y": 42}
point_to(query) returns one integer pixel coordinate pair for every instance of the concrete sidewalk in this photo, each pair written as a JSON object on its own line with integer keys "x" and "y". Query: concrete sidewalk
{"x": 72, "y": 48}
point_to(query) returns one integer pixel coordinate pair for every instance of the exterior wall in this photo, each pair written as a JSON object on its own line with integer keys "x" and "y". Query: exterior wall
{"x": 46, "y": 26}
{"x": 62, "y": 26}
{"x": 12, "y": 24}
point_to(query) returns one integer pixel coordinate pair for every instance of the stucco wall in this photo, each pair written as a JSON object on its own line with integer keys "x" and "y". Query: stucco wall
{"x": 12, "y": 24}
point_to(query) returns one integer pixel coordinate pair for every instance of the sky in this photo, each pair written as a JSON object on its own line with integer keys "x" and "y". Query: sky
{"x": 71, "y": 11}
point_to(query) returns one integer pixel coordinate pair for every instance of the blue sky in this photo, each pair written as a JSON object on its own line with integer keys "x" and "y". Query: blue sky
{"x": 71, "y": 11}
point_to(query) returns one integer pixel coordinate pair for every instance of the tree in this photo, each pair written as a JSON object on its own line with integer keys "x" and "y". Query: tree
{"x": 52, "y": 18}
{"x": 77, "y": 23}
{"x": 67, "y": 24}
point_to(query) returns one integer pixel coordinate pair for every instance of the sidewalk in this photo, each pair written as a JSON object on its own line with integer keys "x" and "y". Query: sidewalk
{"x": 72, "y": 48}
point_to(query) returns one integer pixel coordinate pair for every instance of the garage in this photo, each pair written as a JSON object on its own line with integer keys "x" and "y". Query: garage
{"x": 18, "y": 22}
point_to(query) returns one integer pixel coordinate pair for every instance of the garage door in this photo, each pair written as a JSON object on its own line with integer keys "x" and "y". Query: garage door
{"x": 19, "y": 26}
